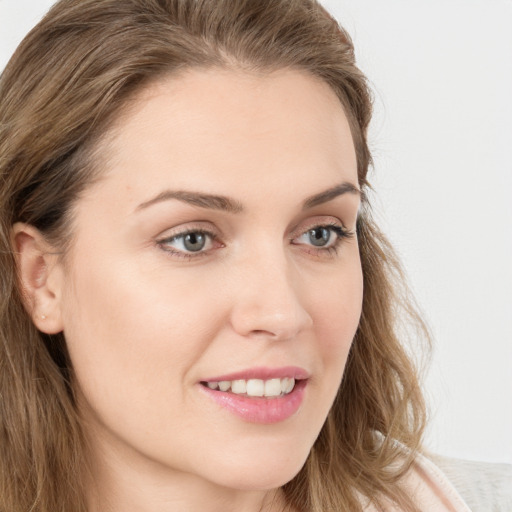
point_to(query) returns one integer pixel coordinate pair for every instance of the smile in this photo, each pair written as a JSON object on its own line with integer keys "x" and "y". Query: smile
{"x": 259, "y": 395}
{"x": 255, "y": 387}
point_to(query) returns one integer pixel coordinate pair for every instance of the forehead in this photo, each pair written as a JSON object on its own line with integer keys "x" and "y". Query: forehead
{"x": 220, "y": 128}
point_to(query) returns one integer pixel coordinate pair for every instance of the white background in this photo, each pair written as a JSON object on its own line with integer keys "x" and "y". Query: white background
{"x": 442, "y": 143}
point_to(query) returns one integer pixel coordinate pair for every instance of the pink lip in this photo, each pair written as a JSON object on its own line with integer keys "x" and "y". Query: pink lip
{"x": 263, "y": 373}
{"x": 261, "y": 409}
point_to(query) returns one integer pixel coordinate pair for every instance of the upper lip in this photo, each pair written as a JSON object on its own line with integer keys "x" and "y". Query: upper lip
{"x": 263, "y": 373}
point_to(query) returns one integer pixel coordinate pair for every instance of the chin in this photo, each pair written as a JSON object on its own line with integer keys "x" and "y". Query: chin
{"x": 260, "y": 479}
{"x": 263, "y": 471}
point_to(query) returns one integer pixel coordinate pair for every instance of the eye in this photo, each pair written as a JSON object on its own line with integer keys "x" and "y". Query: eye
{"x": 322, "y": 240}
{"x": 322, "y": 237}
{"x": 194, "y": 242}
{"x": 188, "y": 243}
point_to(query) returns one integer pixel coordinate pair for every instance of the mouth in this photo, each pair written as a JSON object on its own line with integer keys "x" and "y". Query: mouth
{"x": 259, "y": 395}
{"x": 270, "y": 388}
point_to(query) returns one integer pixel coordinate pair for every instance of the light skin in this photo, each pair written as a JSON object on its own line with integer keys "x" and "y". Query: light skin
{"x": 146, "y": 319}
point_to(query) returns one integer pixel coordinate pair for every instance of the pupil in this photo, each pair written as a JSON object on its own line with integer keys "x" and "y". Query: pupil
{"x": 319, "y": 236}
{"x": 195, "y": 242}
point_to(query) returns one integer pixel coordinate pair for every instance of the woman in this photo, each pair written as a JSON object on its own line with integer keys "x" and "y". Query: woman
{"x": 198, "y": 312}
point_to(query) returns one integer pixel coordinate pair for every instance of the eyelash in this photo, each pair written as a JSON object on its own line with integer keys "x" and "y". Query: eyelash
{"x": 340, "y": 232}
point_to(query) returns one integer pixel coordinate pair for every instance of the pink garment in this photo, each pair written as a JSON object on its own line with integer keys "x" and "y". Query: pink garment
{"x": 431, "y": 490}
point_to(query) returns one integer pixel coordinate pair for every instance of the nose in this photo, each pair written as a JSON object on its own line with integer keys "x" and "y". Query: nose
{"x": 267, "y": 303}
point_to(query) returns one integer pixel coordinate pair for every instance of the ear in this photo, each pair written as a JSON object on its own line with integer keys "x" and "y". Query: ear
{"x": 41, "y": 276}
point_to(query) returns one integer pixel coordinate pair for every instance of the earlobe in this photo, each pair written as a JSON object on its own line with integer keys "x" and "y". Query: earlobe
{"x": 40, "y": 276}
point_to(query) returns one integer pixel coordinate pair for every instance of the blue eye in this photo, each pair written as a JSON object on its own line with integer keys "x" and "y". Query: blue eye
{"x": 194, "y": 242}
{"x": 322, "y": 237}
{"x": 189, "y": 242}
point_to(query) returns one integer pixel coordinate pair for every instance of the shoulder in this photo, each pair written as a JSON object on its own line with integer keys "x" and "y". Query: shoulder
{"x": 484, "y": 486}
{"x": 429, "y": 489}
{"x": 441, "y": 484}
{"x": 432, "y": 491}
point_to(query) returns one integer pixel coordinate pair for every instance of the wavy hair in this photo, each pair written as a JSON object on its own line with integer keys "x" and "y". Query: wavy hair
{"x": 59, "y": 94}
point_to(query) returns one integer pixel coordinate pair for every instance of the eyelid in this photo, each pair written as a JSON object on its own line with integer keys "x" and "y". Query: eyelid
{"x": 340, "y": 232}
{"x": 316, "y": 222}
{"x": 189, "y": 227}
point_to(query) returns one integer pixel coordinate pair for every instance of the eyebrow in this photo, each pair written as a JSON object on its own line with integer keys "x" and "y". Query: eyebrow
{"x": 330, "y": 194}
{"x": 209, "y": 201}
{"x": 223, "y": 203}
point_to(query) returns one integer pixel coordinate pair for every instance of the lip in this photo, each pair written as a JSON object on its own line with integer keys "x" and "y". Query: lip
{"x": 260, "y": 409}
{"x": 263, "y": 373}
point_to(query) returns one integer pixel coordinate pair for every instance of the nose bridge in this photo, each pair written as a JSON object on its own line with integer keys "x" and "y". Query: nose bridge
{"x": 268, "y": 300}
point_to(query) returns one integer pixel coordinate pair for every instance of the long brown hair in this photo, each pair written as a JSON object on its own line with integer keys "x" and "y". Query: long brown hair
{"x": 59, "y": 94}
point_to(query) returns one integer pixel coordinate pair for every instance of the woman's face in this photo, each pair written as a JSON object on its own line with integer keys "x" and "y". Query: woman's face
{"x": 215, "y": 261}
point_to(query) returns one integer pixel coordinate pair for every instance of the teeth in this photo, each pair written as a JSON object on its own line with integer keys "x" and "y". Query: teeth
{"x": 256, "y": 387}
{"x": 273, "y": 387}
{"x": 224, "y": 385}
{"x": 239, "y": 387}
{"x": 287, "y": 385}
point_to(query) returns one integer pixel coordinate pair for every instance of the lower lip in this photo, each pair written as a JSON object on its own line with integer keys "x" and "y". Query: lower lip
{"x": 260, "y": 409}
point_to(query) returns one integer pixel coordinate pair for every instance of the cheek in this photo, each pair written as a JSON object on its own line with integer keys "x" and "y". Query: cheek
{"x": 136, "y": 333}
{"x": 131, "y": 340}
{"x": 134, "y": 341}
{"x": 340, "y": 311}
{"x": 337, "y": 311}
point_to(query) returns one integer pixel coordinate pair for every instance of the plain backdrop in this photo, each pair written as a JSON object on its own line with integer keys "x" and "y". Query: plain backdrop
{"x": 441, "y": 138}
